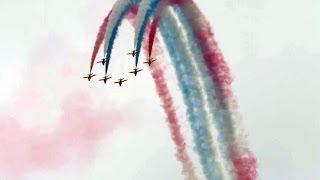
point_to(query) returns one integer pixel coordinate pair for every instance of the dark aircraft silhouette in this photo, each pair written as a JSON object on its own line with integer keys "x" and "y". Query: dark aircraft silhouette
{"x": 133, "y": 53}
{"x": 89, "y": 76}
{"x": 149, "y": 61}
{"x": 105, "y": 79}
{"x": 122, "y": 80}
{"x": 135, "y": 71}
{"x": 103, "y": 61}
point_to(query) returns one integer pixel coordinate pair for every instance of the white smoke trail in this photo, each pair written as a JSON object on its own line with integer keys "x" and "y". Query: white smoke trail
{"x": 243, "y": 160}
{"x": 118, "y": 8}
{"x": 235, "y": 127}
{"x": 144, "y": 6}
{"x": 220, "y": 162}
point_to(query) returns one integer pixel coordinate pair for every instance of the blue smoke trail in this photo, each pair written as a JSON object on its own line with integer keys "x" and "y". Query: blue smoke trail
{"x": 190, "y": 90}
{"x": 218, "y": 120}
{"x": 108, "y": 46}
{"x": 197, "y": 53}
{"x": 191, "y": 94}
{"x": 223, "y": 118}
{"x": 141, "y": 30}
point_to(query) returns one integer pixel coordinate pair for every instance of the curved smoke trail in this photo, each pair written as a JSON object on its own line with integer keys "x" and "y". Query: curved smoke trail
{"x": 152, "y": 34}
{"x": 146, "y": 8}
{"x": 213, "y": 71}
{"x": 197, "y": 116}
{"x": 119, "y": 11}
{"x": 203, "y": 83}
{"x": 166, "y": 98}
{"x": 100, "y": 37}
{"x": 204, "y": 80}
{"x": 143, "y": 19}
{"x": 192, "y": 97}
{"x": 176, "y": 134}
{"x": 167, "y": 101}
{"x": 226, "y": 115}
{"x": 154, "y": 24}
{"x": 243, "y": 160}
{"x": 208, "y": 86}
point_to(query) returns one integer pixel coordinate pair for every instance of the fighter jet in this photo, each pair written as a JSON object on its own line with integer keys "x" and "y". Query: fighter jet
{"x": 89, "y": 76}
{"x": 105, "y": 79}
{"x": 135, "y": 71}
{"x": 149, "y": 61}
{"x": 132, "y": 53}
{"x": 103, "y": 61}
{"x": 121, "y": 80}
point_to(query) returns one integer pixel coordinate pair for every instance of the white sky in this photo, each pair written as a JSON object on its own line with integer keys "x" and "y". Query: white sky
{"x": 273, "y": 50}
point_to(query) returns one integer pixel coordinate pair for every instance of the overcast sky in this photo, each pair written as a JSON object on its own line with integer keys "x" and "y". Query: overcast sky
{"x": 272, "y": 47}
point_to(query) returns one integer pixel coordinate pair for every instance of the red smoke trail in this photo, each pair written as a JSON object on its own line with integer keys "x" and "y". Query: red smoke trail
{"x": 102, "y": 33}
{"x": 152, "y": 34}
{"x": 154, "y": 25}
{"x": 213, "y": 57}
{"x": 166, "y": 98}
{"x": 79, "y": 129}
{"x": 100, "y": 37}
{"x": 164, "y": 94}
{"x": 245, "y": 164}
{"x": 243, "y": 160}
{"x": 77, "y": 124}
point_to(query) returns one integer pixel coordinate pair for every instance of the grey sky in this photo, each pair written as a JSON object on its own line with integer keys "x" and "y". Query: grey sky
{"x": 272, "y": 47}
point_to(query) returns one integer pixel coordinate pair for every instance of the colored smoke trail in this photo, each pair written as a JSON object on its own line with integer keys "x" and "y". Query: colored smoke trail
{"x": 248, "y": 167}
{"x": 55, "y": 122}
{"x": 195, "y": 56}
{"x": 154, "y": 25}
{"x": 210, "y": 80}
{"x": 152, "y": 34}
{"x": 100, "y": 37}
{"x": 208, "y": 86}
{"x": 119, "y": 11}
{"x": 238, "y": 150}
{"x": 145, "y": 9}
{"x": 172, "y": 119}
{"x": 164, "y": 94}
{"x": 144, "y": 14}
{"x": 191, "y": 93}
{"x": 207, "y": 167}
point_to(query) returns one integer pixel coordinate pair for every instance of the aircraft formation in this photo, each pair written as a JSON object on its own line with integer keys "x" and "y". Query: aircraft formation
{"x": 120, "y": 81}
